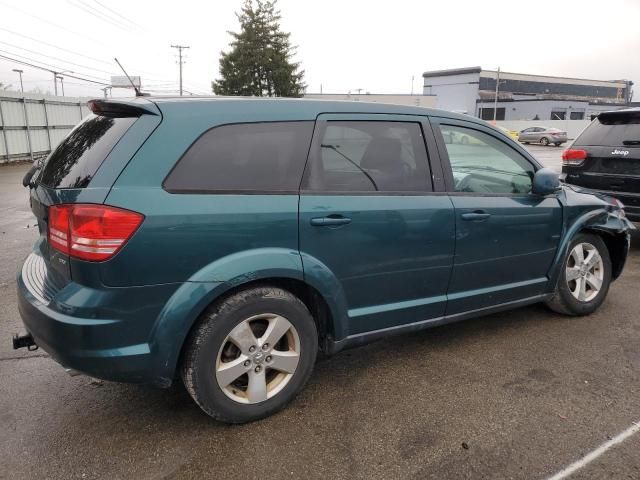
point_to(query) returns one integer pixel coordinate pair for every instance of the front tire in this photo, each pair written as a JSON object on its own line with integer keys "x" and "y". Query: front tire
{"x": 584, "y": 280}
{"x": 250, "y": 354}
{"x": 544, "y": 141}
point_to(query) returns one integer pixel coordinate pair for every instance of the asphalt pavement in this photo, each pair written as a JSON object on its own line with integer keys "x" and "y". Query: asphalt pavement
{"x": 520, "y": 394}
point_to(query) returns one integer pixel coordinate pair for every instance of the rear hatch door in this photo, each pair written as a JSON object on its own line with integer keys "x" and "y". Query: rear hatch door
{"x": 82, "y": 169}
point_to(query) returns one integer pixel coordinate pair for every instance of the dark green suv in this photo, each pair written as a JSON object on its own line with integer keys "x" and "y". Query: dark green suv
{"x": 227, "y": 240}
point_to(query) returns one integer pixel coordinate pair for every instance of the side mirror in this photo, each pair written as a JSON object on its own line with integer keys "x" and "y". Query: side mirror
{"x": 545, "y": 182}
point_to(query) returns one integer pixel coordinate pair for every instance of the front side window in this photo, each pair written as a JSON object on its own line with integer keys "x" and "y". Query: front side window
{"x": 481, "y": 163}
{"x": 369, "y": 156}
{"x": 244, "y": 157}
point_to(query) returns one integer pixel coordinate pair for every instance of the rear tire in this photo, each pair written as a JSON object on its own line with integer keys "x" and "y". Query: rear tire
{"x": 250, "y": 354}
{"x": 557, "y": 144}
{"x": 544, "y": 141}
{"x": 584, "y": 280}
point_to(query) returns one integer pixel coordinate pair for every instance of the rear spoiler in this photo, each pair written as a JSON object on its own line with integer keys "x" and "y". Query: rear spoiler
{"x": 121, "y": 108}
{"x": 619, "y": 116}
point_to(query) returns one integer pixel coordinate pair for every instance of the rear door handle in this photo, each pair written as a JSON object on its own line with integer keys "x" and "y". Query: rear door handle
{"x": 478, "y": 215}
{"x": 331, "y": 220}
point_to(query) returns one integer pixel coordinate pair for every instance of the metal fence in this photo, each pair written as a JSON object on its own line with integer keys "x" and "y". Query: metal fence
{"x": 32, "y": 125}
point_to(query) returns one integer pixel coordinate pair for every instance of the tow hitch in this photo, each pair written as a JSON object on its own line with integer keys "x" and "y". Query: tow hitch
{"x": 22, "y": 341}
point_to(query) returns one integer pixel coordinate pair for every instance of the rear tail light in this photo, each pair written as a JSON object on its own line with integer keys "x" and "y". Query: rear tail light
{"x": 573, "y": 157}
{"x": 91, "y": 232}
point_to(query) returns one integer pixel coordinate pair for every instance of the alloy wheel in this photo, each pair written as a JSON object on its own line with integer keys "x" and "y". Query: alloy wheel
{"x": 258, "y": 358}
{"x": 584, "y": 272}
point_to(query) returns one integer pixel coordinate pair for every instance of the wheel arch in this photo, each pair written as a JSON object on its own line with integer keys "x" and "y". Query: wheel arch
{"x": 611, "y": 228}
{"x": 617, "y": 246}
{"x": 224, "y": 277}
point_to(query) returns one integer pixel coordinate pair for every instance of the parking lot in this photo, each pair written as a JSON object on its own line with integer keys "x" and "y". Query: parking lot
{"x": 520, "y": 394}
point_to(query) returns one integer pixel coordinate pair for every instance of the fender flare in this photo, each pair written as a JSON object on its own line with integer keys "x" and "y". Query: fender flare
{"x": 214, "y": 280}
{"x": 206, "y": 285}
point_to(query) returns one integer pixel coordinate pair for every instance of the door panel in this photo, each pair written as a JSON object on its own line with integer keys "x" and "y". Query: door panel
{"x": 393, "y": 259}
{"x": 367, "y": 212}
{"x": 506, "y": 237}
{"x": 506, "y": 256}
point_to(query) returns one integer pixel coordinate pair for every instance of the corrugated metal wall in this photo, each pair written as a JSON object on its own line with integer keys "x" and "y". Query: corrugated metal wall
{"x": 47, "y": 121}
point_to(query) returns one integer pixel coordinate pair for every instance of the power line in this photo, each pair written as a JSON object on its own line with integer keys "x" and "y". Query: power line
{"x": 59, "y": 69}
{"x": 54, "y": 46}
{"x": 55, "y": 58}
{"x": 180, "y": 62}
{"x": 116, "y": 13}
{"x": 53, "y": 71}
{"x": 68, "y": 51}
{"x": 97, "y": 14}
{"x": 57, "y": 25}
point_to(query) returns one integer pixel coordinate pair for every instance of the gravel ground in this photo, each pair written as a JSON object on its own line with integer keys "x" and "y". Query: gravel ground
{"x": 519, "y": 394}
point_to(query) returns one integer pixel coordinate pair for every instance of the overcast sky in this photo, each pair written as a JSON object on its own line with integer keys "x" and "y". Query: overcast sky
{"x": 343, "y": 45}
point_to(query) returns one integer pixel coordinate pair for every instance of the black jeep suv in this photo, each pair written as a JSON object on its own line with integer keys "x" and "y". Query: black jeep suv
{"x": 606, "y": 157}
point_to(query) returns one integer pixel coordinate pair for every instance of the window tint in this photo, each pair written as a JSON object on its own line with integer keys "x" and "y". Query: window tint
{"x": 77, "y": 158}
{"x": 248, "y": 157}
{"x": 483, "y": 164}
{"x": 612, "y": 130}
{"x": 368, "y": 156}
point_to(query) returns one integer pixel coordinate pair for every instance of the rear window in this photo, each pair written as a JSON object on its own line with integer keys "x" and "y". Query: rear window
{"x": 77, "y": 158}
{"x": 247, "y": 157}
{"x": 612, "y": 130}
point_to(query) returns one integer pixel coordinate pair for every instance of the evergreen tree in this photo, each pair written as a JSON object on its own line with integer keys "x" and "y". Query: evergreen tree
{"x": 259, "y": 62}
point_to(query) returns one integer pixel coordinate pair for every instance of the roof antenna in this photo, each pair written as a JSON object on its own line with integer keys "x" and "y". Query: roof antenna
{"x": 138, "y": 92}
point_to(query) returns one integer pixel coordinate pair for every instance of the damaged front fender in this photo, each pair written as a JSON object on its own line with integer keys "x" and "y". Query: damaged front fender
{"x": 585, "y": 211}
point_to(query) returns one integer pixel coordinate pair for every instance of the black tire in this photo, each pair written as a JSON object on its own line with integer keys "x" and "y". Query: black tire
{"x": 563, "y": 300}
{"x": 557, "y": 144}
{"x": 206, "y": 341}
{"x": 544, "y": 141}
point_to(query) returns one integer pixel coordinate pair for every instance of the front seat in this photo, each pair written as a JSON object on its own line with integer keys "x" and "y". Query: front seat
{"x": 382, "y": 160}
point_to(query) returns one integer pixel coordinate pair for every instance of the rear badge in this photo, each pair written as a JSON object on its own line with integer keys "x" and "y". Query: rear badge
{"x": 620, "y": 152}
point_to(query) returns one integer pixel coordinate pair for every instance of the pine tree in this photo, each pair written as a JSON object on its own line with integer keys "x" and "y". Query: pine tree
{"x": 260, "y": 60}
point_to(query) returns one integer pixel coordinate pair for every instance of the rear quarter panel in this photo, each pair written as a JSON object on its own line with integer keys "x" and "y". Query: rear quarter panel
{"x": 184, "y": 233}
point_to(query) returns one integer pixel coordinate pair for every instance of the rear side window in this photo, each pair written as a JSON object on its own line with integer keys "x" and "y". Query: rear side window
{"x": 612, "y": 130}
{"x": 247, "y": 157}
{"x": 369, "y": 156}
{"x": 77, "y": 158}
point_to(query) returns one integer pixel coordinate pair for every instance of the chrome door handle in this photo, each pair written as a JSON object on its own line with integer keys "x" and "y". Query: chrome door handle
{"x": 331, "y": 220}
{"x": 478, "y": 215}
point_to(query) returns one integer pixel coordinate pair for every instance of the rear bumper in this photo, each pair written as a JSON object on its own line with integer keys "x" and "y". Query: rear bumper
{"x": 105, "y": 333}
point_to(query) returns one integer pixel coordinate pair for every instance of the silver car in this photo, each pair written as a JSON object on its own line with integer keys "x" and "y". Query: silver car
{"x": 543, "y": 135}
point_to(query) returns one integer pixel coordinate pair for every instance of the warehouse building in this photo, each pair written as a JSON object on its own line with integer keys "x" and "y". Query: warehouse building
{"x": 524, "y": 97}
{"x": 428, "y": 101}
